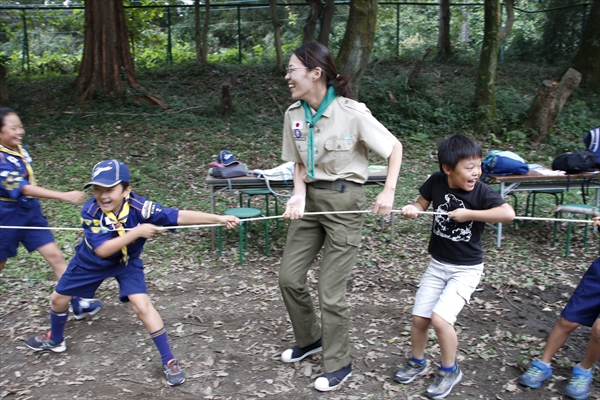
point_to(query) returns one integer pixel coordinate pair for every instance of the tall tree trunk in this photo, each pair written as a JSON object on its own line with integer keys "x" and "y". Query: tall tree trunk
{"x": 326, "y": 21}
{"x": 464, "y": 30}
{"x": 201, "y": 34}
{"x": 310, "y": 25}
{"x": 277, "y": 33}
{"x": 106, "y": 64}
{"x": 3, "y": 87}
{"x": 443, "y": 45}
{"x": 510, "y": 19}
{"x": 198, "y": 34}
{"x": 488, "y": 61}
{"x": 357, "y": 45}
{"x": 205, "y": 28}
{"x": 587, "y": 59}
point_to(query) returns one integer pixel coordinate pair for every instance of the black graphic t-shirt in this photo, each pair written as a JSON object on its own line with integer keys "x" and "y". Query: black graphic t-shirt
{"x": 453, "y": 242}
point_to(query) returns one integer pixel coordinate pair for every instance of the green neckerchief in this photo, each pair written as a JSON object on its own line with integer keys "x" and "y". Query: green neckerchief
{"x": 311, "y": 120}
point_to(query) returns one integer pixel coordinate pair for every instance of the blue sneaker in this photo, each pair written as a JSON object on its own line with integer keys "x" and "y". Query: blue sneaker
{"x": 296, "y": 353}
{"x": 579, "y": 385}
{"x": 537, "y": 373}
{"x": 333, "y": 380}
{"x": 85, "y": 307}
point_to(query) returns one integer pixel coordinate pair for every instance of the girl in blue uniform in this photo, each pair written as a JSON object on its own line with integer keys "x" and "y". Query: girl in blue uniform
{"x": 19, "y": 205}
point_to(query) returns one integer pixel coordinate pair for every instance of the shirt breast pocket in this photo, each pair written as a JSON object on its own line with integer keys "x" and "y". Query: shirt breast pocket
{"x": 341, "y": 153}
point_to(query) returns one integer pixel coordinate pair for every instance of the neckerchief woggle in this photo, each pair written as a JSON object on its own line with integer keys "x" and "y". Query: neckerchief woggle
{"x": 119, "y": 223}
{"x": 311, "y": 120}
{"x": 21, "y": 154}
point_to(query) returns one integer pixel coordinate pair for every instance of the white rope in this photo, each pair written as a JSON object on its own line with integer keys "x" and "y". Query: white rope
{"x": 585, "y": 221}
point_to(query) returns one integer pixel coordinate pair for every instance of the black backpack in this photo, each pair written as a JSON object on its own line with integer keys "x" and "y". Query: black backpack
{"x": 575, "y": 162}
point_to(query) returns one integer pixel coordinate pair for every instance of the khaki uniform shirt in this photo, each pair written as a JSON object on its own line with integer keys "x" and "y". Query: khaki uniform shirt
{"x": 342, "y": 139}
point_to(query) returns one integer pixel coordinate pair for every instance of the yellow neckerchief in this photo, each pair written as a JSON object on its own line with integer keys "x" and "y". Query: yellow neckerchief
{"x": 21, "y": 154}
{"x": 119, "y": 224}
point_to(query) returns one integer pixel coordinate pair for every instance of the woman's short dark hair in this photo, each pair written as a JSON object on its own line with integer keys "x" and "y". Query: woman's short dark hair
{"x": 456, "y": 148}
{"x": 4, "y": 111}
{"x": 315, "y": 54}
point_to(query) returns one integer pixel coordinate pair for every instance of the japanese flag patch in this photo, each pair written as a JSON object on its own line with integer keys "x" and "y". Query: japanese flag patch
{"x": 298, "y": 125}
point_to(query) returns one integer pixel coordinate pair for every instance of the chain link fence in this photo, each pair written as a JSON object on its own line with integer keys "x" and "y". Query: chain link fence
{"x": 43, "y": 39}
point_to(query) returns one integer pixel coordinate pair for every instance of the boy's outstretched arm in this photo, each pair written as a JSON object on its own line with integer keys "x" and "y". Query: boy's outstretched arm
{"x": 412, "y": 210}
{"x": 503, "y": 213}
{"x": 187, "y": 217}
{"x": 114, "y": 245}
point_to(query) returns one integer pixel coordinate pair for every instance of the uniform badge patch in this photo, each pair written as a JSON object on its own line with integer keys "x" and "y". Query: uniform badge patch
{"x": 297, "y": 133}
{"x": 298, "y": 125}
{"x": 148, "y": 209}
{"x": 13, "y": 160}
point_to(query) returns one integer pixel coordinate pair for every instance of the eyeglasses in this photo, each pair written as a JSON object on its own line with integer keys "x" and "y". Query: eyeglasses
{"x": 289, "y": 69}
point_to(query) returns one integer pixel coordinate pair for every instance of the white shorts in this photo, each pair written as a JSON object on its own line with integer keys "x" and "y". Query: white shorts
{"x": 445, "y": 289}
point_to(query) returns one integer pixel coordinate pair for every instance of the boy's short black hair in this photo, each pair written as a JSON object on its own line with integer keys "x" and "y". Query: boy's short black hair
{"x": 456, "y": 148}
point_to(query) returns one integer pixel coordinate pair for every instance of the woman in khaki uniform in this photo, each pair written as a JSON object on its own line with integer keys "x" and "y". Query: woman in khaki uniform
{"x": 328, "y": 136}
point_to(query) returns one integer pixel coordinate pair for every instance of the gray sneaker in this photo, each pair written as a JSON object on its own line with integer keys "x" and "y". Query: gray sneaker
{"x": 410, "y": 371}
{"x": 174, "y": 373}
{"x": 43, "y": 342}
{"x": 443, "y": 383}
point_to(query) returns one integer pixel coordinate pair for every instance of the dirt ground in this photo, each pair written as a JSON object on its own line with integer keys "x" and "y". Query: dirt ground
{"x": 227, "y": 324}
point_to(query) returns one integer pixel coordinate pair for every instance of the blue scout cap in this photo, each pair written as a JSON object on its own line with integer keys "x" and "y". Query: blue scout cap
{"x": 226, "y": 158}
{"x": 108, "y": 173}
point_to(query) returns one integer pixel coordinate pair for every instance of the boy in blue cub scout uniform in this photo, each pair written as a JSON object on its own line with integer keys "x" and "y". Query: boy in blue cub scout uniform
{"x": 456, "y": 252}
{"x": 583, "y": 308}
{"x": 20, "y": 207}
{"x": 117, "y": 223}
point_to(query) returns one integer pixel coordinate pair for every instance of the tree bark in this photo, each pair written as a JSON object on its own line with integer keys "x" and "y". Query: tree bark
{"x": 3, "y": 87}
{"x": 357, "y": 45}
{"x": 277, "y": 35}
{"x": 464, "y": 31}
{"x": 417, "y": 69}
{"x": 226, "y": 104}
{"x": 587, "y": 59}
{"x": 198, "y": 34}
{"x": 106, "y": 64}
{"x": 488, "y": 61}
{"x": 326, "y": 21}
{"x": 310, "y": 25}
{"x": 201, "y": 33}
{"x": 205, "y": 31}
{"x": 443, "y": 46}
{"x": 549, "y": 102}
{"x": 510, "y": 19}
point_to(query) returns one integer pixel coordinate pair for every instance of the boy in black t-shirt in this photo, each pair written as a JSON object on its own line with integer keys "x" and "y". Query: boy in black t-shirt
{"x": 456, "y": 255}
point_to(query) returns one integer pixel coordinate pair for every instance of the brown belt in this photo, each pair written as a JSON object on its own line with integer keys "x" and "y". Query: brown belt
{"x": 339, "y": 185}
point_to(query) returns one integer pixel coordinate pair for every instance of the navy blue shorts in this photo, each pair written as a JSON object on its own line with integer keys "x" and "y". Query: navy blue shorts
{"x": 584, "y": 305}
{"x": 12, "y": 214}
{"x": 80, "y": 280}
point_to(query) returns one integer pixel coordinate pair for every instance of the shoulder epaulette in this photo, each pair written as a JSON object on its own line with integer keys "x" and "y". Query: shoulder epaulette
{"x": 295, "y": 105}
{"x": 93, "y": 209}
{"x": 135, "y": 203}
{"x": 354, "y": 105}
